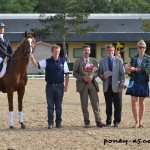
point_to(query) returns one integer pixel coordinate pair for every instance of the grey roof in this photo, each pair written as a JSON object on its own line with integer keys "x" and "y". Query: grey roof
{"x": 92, "y": 37}
{"x": 125, "y": 27}
{"x": 113, "y": 25}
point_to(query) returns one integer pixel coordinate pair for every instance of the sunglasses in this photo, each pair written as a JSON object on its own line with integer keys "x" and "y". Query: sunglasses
{"x": 140, "y": 47}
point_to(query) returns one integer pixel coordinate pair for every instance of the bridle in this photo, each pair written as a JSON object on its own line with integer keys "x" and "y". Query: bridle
{"x": 27, "y": 52}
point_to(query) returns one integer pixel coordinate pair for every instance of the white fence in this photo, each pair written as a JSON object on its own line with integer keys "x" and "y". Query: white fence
{"x": 37, "y": 77}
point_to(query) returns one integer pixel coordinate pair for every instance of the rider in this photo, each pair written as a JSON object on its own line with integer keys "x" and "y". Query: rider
{"x": 5, "y": 46}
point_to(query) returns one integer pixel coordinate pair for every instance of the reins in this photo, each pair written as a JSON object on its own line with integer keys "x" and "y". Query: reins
{"x": 15, "y": 58}
{"x": 18, "y": 57}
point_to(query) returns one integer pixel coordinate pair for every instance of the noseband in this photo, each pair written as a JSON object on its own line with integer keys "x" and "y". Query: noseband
{"x": 29, "y": 51}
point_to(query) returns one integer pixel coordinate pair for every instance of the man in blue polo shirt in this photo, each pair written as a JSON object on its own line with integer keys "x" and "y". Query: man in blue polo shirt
{"x": 55, "y": 68}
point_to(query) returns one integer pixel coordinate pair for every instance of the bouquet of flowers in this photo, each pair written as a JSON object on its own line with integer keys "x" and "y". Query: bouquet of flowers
{"x": 89, "y": 71}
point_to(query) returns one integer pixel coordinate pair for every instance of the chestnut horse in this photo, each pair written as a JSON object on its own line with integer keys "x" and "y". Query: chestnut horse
{"x": 15, "y": 78}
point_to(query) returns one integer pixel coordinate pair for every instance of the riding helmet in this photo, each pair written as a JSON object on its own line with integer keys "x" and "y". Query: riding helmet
{"x": 2, "y": 24}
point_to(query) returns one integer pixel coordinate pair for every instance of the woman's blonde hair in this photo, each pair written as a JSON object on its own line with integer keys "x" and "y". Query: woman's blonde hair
{"x": 141, "y": 42}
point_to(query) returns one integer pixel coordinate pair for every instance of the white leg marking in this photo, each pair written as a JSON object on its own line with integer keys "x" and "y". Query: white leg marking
{"x": 11, "y": 118}
{"x": 20, "y": 116}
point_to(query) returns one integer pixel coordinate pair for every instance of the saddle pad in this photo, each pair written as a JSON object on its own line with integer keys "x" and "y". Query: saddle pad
{"x": 2, "y": 72}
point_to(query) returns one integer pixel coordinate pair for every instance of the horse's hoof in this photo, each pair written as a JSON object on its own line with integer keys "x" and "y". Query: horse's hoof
{"x": 23, "y": 126}
{"x": 11, "y": 127}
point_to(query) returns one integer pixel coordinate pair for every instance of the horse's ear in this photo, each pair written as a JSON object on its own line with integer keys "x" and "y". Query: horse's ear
{"x": 25, "y": 34}
{"x": 35, "y": 35}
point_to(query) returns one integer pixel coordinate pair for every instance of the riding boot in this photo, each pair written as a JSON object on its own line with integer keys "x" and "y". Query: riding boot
{"x": 1, "y": 86}
{"x": 1, "y": 66}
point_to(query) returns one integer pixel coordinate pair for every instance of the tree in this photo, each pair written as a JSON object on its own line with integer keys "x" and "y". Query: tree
{"x": 144, "y": 6}
{"x": 146, "y": 28}
{"x": 25, "y": 6}
{"x": 146, "y": 25}
{"x": 6, "y": 6}
{"x": 124, "y": 6}
{"x": 69, "y": 17}
{"x": 101, "y": 6}
{"x": 130, "y": 6}
{"x": 17, "y": 6}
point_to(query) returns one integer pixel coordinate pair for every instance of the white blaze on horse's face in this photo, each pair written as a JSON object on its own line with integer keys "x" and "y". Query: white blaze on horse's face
{"x": 30, "y": 41}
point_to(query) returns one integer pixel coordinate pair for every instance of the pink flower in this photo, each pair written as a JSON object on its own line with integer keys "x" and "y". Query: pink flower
{"x": 89, "y": 67}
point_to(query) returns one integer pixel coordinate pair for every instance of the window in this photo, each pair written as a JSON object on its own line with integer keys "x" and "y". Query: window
{"x": 133, "y": 52}
{"x": 103, "y": 53}
{"x": 77, "y": 52}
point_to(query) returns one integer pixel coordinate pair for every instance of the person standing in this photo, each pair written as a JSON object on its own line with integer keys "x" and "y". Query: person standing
{"x": 87, "y": 87}
{"x": 138, "y": 88}
{"x": 55, "y": 68}
{"x": 112, "y": 73}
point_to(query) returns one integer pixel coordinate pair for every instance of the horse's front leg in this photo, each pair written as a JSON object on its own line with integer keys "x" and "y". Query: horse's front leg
{"x": 20, "y": 99}
{"x": 10, "y": 102}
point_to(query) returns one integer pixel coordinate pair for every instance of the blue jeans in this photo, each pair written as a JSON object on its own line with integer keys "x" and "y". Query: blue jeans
{"x": 54, "y": 96}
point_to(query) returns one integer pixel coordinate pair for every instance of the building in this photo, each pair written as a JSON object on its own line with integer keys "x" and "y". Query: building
{"x": 123, "y": 30}
{"x": 42, "y": 51}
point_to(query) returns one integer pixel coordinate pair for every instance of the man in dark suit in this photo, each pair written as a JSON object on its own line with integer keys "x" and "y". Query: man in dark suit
{"x": 87, "y": 87}
{"x": 112, "y": 73}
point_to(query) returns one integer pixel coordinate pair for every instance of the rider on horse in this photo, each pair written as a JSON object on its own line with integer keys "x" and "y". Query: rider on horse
{"x": 5, "y": 46}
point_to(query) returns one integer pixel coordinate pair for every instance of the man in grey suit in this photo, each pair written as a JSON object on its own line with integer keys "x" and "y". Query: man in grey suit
{"x": 87, "y": 87}
{"x": 112, "y": 73}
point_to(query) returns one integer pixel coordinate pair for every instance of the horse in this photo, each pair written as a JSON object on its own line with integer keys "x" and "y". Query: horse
{"x": 15, "y": 77}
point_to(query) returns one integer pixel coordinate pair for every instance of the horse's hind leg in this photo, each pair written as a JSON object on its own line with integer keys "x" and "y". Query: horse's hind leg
{"x": 10, "y": 102}
{"x": 20, "y": 99}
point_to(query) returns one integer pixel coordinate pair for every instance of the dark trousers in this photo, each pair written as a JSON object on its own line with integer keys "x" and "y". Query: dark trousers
{"x": 116, "y": 98}
{"x": 54, "y": 96}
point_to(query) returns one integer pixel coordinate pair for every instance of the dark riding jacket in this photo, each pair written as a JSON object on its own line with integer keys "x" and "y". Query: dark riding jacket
{"x": 5, "y": 48}
{"x": 144, "y": 70}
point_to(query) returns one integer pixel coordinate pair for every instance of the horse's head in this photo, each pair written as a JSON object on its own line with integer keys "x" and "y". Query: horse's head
{"x": 29, "y": 43}
{"x": 27, "y": 46}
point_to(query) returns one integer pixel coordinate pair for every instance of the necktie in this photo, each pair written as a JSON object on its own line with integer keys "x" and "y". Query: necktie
{"x": 110, "y": 69}
{"x": 86, "y": 61}
{"x": 110, "y": 64}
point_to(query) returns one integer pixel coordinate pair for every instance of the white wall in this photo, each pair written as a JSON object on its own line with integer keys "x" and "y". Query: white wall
{"x": 42, "y": 51}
